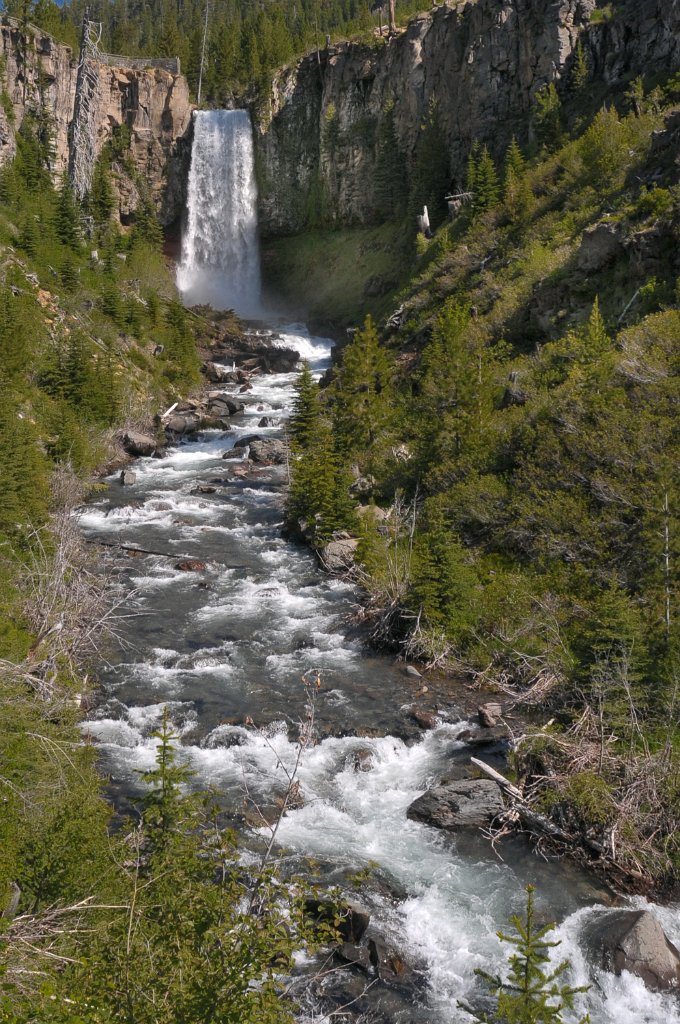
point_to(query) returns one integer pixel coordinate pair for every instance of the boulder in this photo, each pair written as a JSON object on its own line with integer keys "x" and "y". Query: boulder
{"x": 267, "y": 421}
{"x": 203, "y": 489}
{"x": 233, "y": 453}
{"x": 489, "y": 714}
{"x": 219, "y": 374}
{"x": 127, "y": 477}
{"x": 243, "y": 442}
{"x": 269, "y": 451}
{"x": 633, "y": 940}
{"x": 425, "y": 719}
{"x": 354, "y": 918}
{"x": 185, "y": 423}
{"x": 469, "y": 803}
{"x": 600, "y": 245}
{"x": 138, "y": 444}
{"x": 338, "y": 555}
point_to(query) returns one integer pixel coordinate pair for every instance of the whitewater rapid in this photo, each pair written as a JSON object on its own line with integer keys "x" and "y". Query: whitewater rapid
{"x": 233, "y": 642}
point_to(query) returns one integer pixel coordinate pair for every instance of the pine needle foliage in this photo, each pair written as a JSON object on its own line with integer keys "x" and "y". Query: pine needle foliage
{"x": 535, "y": 992}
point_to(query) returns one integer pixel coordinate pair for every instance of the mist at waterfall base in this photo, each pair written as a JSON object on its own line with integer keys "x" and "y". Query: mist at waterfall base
{"x": 220, "y": 264}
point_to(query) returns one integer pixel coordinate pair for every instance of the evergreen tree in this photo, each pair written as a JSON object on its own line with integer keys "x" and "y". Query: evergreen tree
{"x": 67, "y": 217}
{"x": 487, "y": 189}
{"x": 391, "y": 181}
{"x": 580, "y": 72}
{"x": 431, "y": 176}
{"x": 533, "y": 993}
{"x": 363, "y": 394}
{"x": 547, "y": 120}
{"x": 101, "y": 202}
{"x": 516, "y": 188}
{"x": 69, "y": 273}
{"x": 306, "y": 410}
{"x": 162, "y": 804}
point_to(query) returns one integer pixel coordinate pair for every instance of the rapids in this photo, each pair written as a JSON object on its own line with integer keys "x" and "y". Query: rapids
{"x": 234, "y": 641}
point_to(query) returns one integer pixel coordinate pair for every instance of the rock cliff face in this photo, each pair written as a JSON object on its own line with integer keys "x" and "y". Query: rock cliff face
{"x": 483, "y": 62}
{"x": 40, "y": 73}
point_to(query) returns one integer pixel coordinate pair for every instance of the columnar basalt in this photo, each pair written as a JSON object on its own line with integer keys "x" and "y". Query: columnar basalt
{"x": 483, "y": 62}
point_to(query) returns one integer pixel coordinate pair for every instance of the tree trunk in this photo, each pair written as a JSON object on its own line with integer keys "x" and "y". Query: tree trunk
{"x": 393, "y": 23}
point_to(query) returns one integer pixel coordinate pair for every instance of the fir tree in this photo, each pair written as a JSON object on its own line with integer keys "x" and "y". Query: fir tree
{"x": 363, "y": 394}
{"x": 430, "y": 179}
{"x": 391, "y": 181}
{"x": 533, "y": 993}
{"x": 161, "y": 804}
{"x": 547, "y": 120}
{"x": 487, "y": 189}
{"x": 66, "y": 218}
{"x": 580, "y": 72}
{"x": 306, "y": 410}
{"x": 516, "y": 189}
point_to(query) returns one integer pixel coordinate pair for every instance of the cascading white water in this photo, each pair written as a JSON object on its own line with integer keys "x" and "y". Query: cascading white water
{"x": 220, "y": 263}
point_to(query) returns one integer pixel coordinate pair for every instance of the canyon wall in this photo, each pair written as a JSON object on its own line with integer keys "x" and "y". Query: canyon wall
{"x": 483, "y": 62}
{"x": 40, "y": 74}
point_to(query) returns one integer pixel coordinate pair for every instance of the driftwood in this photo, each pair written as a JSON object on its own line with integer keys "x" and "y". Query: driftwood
{"x": 161, "y": 554}
{"x": 531, "y": 819}
{"x": 504, "y": 783}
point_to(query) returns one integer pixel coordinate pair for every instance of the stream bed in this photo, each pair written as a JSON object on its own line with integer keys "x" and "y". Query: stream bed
{"x": 229, "y": 646}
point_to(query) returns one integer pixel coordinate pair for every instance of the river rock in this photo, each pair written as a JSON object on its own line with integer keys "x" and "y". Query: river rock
{"x": 269, "y": 451}
{"x": 127, "y": 477}
{"x": 358, "y": 956}
{"x": 219, "y": 374}
{"x": 267, "y": 421}
{"x": 633, "y": 940}
{"x": 190, "y": 565}
{"x": 184, "y": 423}
{"x": 138, "y": 444}
{"x": 389, "y": 965}
{"x": 425, "y": 719}
{"x": 338, "y": 555}
{"x": 203, "y": 489}
{"x": 411, "y": 671}
{"x": 469, "y": 803}
{"x": 354, "y": 918}
{"x": 489, "y": 714}
{"x": 233, "y": 453}
{"x": 244, "y": 442}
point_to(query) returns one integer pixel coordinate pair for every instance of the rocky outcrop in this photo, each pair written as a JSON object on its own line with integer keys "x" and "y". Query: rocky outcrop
{"x": 153, "y": 103}
{"x": 470, "y": 803}
{"x": 317, "y": 138}
{"x": 634, "y": 941}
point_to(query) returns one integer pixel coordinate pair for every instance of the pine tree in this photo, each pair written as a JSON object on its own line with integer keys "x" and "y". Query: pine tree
{"x": 594, "y": 337}
{"x": 516, "y": 189}
{"x": 67, "y": 218}
{"x": 547, "y": 120}
{"x": 363, "y": 394}
{"x": 533, "y": 993}
{"x": 28, "y": 236}
{"x": 306, "y": 411}
{"x": 580, "y": 72}
{"x": 101, "y": 202}
{"x": 69, "y": 273}
{"x": 431, "y": 176}
{"x": 161, "y": 804}
{"x": 487, "y": 189}
{"x": 391, "y": 180}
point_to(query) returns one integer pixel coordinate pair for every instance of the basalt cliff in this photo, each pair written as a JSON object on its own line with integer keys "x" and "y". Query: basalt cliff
{"x": 39, "y": 74}
{"x": 483, "y": 62}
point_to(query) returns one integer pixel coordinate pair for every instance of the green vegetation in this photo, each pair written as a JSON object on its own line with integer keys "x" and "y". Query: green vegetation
{"x": 534, "y": 992}
{"x": 334, "y": 275}
{"x": 528, "y": 466}
{"x": 244, "y": 45}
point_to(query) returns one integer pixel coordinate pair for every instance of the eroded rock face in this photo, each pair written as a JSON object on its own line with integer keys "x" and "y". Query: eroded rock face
{"x": 482, "y": 61}
{"x": 633, "y": 940}
{"x": 153, "y": 103}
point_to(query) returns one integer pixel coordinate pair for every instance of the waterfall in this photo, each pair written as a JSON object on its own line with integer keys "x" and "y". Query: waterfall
{"x": 220, "y": 263}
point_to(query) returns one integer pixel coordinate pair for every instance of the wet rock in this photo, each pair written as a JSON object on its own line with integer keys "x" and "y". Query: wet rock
{"x": 633, "y": 940}
{"x": 138, "y": 444}
{"x": 203, "y": 489}
{"x": 465, "y": 804}
{"x": 489, "y": 714}
{"x": 425, "y": 719}
{"x": 127, "y": 477}
{"x": 219, "y": 374}
{"x": 245, "y": 442}
{"x": 485, "y": 737}
{"x": 184, "y": 423}
{"x": 269, "y": 451}
{"x": 233, "y": 453}
{"x": 338, "y": 555}
{"x": 267, "y": 421}
{"x": 190, "y": 565}
{"x": 362, "y": 760}
{"x": 411, "y": 671}
{"x": 389, "y": 966}
{"x": 358, "y": 956}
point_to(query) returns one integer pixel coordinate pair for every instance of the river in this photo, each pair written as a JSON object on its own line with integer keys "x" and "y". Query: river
{"x": 235, "y": 640}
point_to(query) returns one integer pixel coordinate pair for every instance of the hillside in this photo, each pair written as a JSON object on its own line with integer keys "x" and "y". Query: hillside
{"x": 514, "y": 442}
